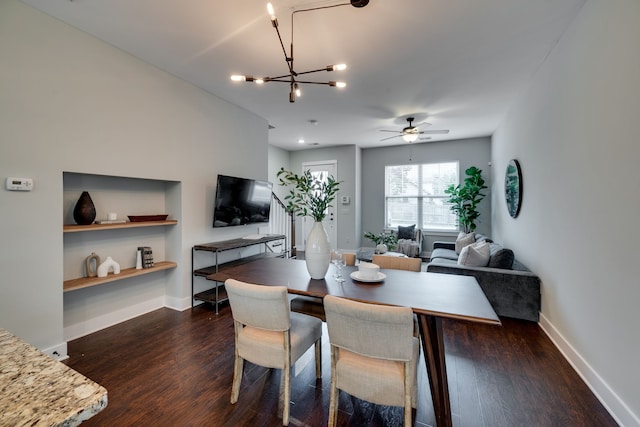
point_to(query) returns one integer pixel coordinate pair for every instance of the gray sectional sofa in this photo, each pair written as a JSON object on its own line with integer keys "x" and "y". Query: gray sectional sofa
{"x": 510, "y": 287}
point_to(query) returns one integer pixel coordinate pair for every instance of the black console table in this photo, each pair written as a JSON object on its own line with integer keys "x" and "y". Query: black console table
{"x": 217, "y": 294}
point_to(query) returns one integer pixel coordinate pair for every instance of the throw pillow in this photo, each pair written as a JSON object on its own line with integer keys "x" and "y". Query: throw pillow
{"x": 475, "y": 255}
{"x": 503, "y": 258}
{"x": 464, "y": 240}
{"x": 406, "y": 232}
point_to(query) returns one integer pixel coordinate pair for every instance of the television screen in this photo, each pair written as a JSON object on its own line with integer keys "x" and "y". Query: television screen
{"x": 241, "y": 201}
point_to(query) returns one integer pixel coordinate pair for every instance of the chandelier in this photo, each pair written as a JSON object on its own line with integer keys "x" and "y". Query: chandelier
{"x": 293, "y": 77}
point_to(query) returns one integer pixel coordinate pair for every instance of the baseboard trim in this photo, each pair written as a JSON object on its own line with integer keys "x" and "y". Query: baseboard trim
{"x": 618, "y": 409}
{"x": 95, "y": 324}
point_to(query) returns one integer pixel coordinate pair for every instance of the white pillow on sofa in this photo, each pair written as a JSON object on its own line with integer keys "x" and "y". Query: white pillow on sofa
{"x": 475, "y": 255}
{"x": 464, "y": 240}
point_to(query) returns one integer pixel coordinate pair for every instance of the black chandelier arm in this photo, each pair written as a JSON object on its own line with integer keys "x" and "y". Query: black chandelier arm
{"x": 287, "y": 59}
{"x": 281, "y": 80}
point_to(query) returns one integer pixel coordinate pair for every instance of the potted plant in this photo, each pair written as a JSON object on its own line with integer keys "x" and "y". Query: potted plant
{"x": 389, "y": 240}
{"x": 465, "y": 198}
{"x": 311, "y": 195}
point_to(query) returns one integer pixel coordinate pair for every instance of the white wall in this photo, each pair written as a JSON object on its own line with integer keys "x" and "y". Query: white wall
{"x": 72, "y": 103}
{"x": 575, "y": 132}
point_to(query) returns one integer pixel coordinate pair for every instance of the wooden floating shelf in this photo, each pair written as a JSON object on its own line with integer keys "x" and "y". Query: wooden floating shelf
{"x": 73, "y": 228}
{"x": 86, "y": 282}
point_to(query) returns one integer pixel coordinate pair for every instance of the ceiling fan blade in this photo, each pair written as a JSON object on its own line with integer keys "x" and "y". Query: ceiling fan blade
{"x": 391, "y": 137}
{"x": 423, "y": 124}
{"x": 394, "y": 131}
{"x": 434, "y": 132}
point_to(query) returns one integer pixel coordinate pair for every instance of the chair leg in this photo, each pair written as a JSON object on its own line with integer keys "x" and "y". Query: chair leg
{"x": 237, "y": 378}
{"x": 286, "y": 380}
{"x": 408, "y": 388}
{"x": 333, "y": 392}
{"x": 319, "y": 358}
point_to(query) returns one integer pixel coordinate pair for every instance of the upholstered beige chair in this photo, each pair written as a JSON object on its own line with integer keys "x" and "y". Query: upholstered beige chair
{"x": 374, "y": 354}
{"x": 398, "y": 263}
{"x": 269, "y": 335}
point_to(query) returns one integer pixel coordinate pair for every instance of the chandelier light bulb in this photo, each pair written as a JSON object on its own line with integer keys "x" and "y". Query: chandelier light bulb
{"x": 340, "y": 67}
{"x": 238, "y": 78}
{"x": 297, "y": 89}
{"x": 259, "y": 80}
{"x": 341, "y": 85}
{"x": 271, "y": 12}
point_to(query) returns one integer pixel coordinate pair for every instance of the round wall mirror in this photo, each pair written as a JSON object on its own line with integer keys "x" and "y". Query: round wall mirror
{"x": 513, "y": 187}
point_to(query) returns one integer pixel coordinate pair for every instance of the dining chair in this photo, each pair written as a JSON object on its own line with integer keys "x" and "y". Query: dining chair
{"x": 269, "y": 335}
{"x": 374, "y": 354}
{"x": 398, "y": 263}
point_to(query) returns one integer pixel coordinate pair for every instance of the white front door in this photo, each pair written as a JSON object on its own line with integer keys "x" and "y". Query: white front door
{"x": 323, "y": 170}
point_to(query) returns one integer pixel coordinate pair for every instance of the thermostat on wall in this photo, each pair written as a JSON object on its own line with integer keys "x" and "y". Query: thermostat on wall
{"x": 19, "y": 184}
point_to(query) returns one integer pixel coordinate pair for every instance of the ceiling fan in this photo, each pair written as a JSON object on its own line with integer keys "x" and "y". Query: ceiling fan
{"x": 411, "y": 133}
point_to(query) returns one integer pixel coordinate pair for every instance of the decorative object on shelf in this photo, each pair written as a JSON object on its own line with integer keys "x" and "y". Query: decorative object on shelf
{"x": 143, "y": 218}
{"x": 84, "y": 213}
{"x": 139, "y": 259}
{"x": 382, "y": 240}
{"x": 465, "y": 198}
{"x": 311, "y": 195}
{"x": 292, "y": 76}
{"x": 108, "y": 265}
{"x": 147, "y": 256}
{"x": 91, "y": 264}
{"x": 513, "y": 187}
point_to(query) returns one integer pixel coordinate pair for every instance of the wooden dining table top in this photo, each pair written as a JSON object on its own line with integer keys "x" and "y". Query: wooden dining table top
{"x": 432, "y": 294}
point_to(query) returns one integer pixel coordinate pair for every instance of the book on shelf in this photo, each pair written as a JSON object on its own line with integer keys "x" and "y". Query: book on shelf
{"x": 111, "y": 221}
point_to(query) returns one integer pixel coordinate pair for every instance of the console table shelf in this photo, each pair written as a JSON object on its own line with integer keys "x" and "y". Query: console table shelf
{"x": 73, "y": 228}
{"x": 86, "y": 282}
{"x": 217, "y": 294}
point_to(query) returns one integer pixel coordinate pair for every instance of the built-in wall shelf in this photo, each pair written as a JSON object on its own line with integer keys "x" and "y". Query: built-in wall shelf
{"x": 86, "y": 282}
{"x": 73, "y": 228}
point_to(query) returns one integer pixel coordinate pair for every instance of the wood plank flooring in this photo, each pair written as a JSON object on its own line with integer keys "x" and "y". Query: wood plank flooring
{"x": 169, "y": 368}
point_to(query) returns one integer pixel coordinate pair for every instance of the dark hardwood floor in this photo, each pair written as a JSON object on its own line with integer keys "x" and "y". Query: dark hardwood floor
{"x": 170, "y": 368}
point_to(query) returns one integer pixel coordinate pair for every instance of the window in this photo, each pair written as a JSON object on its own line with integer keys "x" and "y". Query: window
{"x": 414, "y": 194}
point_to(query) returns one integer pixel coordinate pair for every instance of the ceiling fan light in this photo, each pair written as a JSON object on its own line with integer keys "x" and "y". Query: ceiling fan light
{"x": 409, "y": 137}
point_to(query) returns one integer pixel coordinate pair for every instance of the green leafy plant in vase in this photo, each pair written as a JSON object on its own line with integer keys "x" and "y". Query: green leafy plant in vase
{"x": 389, "y": 240}
{"x": 311, "y": 195}
{"x": 466, "y": 197}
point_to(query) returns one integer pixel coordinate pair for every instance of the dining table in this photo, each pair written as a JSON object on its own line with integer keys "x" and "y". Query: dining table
{"x": 432, "y": 297}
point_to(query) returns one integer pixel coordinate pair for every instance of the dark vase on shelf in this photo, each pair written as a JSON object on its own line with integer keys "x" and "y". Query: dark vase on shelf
{"x": 84, "y": 212}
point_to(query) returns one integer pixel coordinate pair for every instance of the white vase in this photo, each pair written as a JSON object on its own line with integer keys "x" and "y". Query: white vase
{"x": 317, "y": 251}
{"x": 382, "y": 248}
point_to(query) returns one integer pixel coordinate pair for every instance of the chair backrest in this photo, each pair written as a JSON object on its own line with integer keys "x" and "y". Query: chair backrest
{"x": 372, "y": 330}
{"x": 263, "y": 307}
{"x": 398, "y": 263}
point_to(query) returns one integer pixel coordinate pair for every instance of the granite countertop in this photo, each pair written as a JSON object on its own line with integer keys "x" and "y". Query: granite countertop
{"x": 36, "y": 390}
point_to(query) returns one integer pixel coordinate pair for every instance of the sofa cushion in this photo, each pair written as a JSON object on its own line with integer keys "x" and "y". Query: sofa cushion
{"x": 408, "y": 232}
{"x": 502, "y": 258}
{"x": 464, "y": 240}
{"x": 442, "y": 253}
{"x": 475, "y": 255}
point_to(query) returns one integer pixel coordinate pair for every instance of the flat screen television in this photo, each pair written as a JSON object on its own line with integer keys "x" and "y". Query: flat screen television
{"x": 241, "y": 201}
